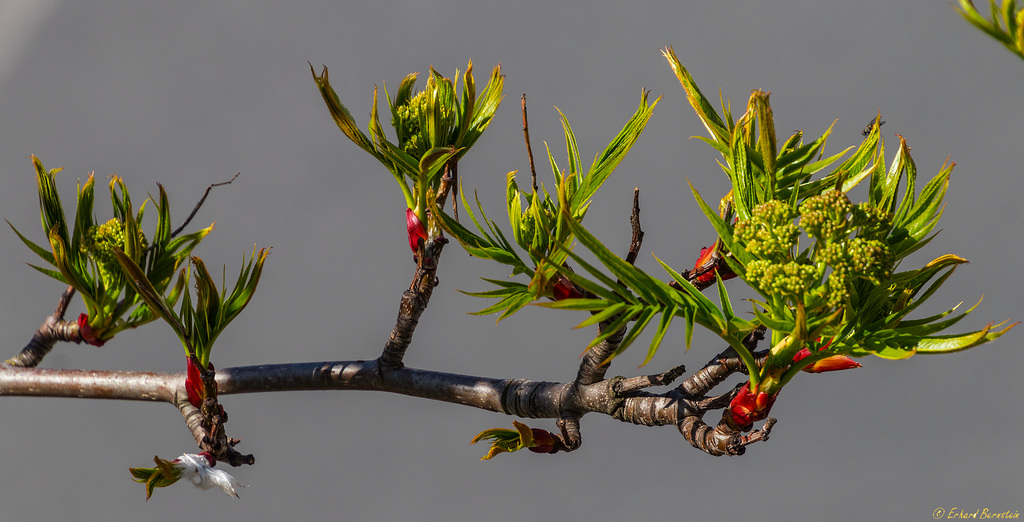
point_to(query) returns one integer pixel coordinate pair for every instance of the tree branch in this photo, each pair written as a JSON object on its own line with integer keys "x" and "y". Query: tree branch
{"x": 414, "y": 302}
{"x": 529, "y": 149}
{"x": 595, "y": 362}
{"x": 622, "y": 399}
{"x": 53, "y": 329}
{"x": 200, "y": 203}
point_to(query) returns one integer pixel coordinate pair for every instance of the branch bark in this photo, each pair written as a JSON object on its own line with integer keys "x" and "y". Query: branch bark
{"x": 54, "y": 328}
{"x": 622, "y": 399}
{"x": 414, "y": 302}
{"x": 518, "y": 397}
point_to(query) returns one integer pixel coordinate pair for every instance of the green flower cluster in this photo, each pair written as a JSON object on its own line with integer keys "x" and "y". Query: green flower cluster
{"x": 98, "y": 243}
{"x": 770, "y": 232}
{"x": 869, "y": 259}
{"x": 824, "y": 217}
{"x": 791, "y": 279}
{"x": 410, "y": 118}
{"x": 849, "y": 239}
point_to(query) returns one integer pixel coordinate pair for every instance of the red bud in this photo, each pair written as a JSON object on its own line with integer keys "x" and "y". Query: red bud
{"x": 828, "y": 364}
{"x": 544, "y": 439}
{"x": 194, "y": 386}
{"x": 415, "y": 228}
{"x": 831, "y": 364}
{"x": 86, "y": 333}
{"x": 564, "y": 289}
{"x": 747, "y": 407}
{"x": 709, "y": 263}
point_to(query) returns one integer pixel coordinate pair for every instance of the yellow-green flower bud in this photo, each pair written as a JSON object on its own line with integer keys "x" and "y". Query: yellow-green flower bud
{"x": 98, "y": 243}
{"x": 873, "y": 222}
{"x": 790, "y": 278}
{"x": 770, "y": 232}
{"x": 824, "y": 216}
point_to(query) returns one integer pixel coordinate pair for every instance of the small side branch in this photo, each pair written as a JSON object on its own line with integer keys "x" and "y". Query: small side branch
{"x": 200, "y": 203}
{"x": 638, "y": 233}
{"x": 632, "y": 384}
{"x": 595, "y": 363}
{"x": 53, "y": 329}
{"x": 449, "y": 183}
{"x": 414, "y": 302}
{"x": 721, "y": 367}
{"x": 208, "y": 431}
{"x": 529, "y": 149}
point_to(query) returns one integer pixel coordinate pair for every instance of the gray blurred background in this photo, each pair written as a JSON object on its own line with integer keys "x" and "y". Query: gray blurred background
{"x": 189, "y": 93}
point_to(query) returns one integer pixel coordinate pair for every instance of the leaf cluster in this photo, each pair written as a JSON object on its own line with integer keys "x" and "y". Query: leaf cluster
{"x": 83, "y": 258}
{"x": 505, "y": 440}
{"x": 844, "y": 283}
{"x": 164, "y": 474}
{"x": 199, "y": 323}
{"x": 1005, "y": 23}
{"x": 432, "y": 127}
{"x": 539, "y": 222}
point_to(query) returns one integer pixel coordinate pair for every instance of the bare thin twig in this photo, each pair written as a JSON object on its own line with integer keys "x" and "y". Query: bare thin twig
{"x": 452, "y": 170}
{"x": 449, "y": 183}
{"x": 529, "y": 149}
{"x": 638, "y": 234}
{"x": 200, "y": 204}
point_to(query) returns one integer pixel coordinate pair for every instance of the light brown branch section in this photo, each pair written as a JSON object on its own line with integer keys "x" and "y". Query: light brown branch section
{"x": 622, "y": 399}
{"x": 518, "y": 397}
{"x": 90, "y": 384}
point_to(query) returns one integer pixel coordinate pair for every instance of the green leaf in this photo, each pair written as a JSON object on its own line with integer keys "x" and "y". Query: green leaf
{"x": 342, "y": 117}
{"x": 647, "y": 287}
{"x": 63, "y": 262}
{"x": 467, "y": 107}
{"x": 51, "y": 210}
{"x": 610, "y": 310}
{"x": 617, "y": 323}
{"x": 38, "y": 250}
{"x": 610, "y": 158}
{"x": 712, "y": 121}
{"x": 162, "y": 235}
{"x": 666, "y": 318}
{"x": 956, "y": 343}
{"x": 578, "y": 304}
{"x": 485, "y": 107}
{"x": 723, "y": 229}
{"x": 710, "y": 315}
{"x": 642, "y": 319}
{"x": 612, "y": 290}
{"x": 505, "y": 440}
{"x": 140, "y": 283}
{"x": 83, "y": 214}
